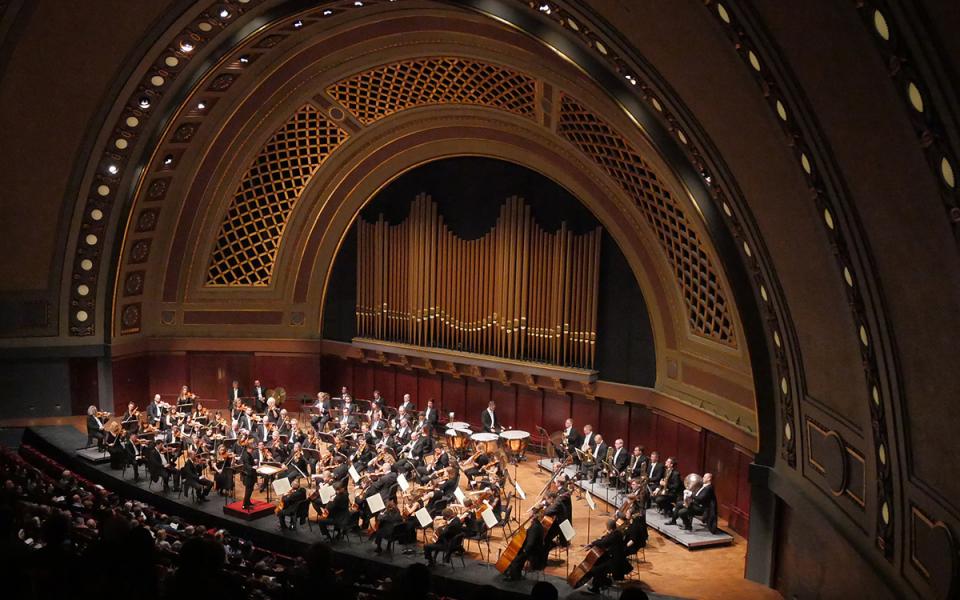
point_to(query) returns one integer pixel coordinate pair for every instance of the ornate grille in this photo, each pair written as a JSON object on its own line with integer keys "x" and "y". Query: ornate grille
{"x": 250, "y": 235}
{"x": 380, "y": 92}
{"x": 707, "y": 305}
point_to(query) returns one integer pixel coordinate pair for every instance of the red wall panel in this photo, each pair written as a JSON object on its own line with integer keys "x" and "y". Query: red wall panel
{"x": 130, "y": 378}
{"x": 666, "y": 430}
{"x": 85, "y": 385}
{"x": 583, "y": 411}
{"x": 364, "y": 380}
{"x": 406, "y": 384}
{"x": 428, "y": 386}
{"x": 334, "y": 374}
{"x": 614, "y": 422}
{"x": 453, "y": 392}
{"x": 168, "y": 372}
{"x": 478, "y": 395}
{"x": 556, "y": 409}
{"x": 689, "y": 449}
{"x": 642, "y": 432}
{"x": 385, "y": 381}
{"x": 529, "y": 409}
{"x": 299, "y": 375}
{"x": 506, "y": 398}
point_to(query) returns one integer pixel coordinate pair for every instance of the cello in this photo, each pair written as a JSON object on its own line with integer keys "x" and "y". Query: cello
{"x": 578, "y": 576}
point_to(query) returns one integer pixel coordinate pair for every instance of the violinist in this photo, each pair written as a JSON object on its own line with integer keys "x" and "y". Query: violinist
{"x": 445, "y": 537}
{"x": 134, "y": 456}
{"x": 223, "y": 471}
{"x": 155, "y": 412}
{"x": 310, "y": 446}
{"x": 336, "y": 514}
{"x": 131, "y": 419}
{"x": 248, "y": 473}
{"x": 533, "y": 549}
{"x": 95, "y": 426}
{"x": 446, "y": 486}
{"x": 259, "y": 429}
{"x": 273, "y": 413}
{"x": 114, "y": 443}
{"x": 199, "y": 413}
{"x": 245, "y": 420}
{"x": 407, "y": 405}
{"x": 422, "y": 446}
{"x": 377, "y": 424}
{"x": 291, "y": 502}
{"x": 185, "y": 400}
{"x": 613, "y": 562}
{"x": 157, "y": 463}
{"x": 278, "y": 447}
{"x": 192, "y": 478}
{"x": 404, "y": 432}
{"x": 236, "y": 410}
{"x": 296, "y": 463}
{"x": 388, "y": 522}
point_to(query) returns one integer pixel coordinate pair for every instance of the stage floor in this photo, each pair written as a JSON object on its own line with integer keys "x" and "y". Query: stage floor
{"x": 670, "y": 570}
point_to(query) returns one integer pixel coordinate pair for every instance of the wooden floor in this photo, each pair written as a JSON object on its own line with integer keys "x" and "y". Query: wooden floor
{"x": 670, "y": 569}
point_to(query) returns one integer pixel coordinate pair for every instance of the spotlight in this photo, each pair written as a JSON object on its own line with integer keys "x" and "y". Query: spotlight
{"x": 144, "y": 102}
{"x": 168, "y": 160}
{"x": 297, "y": 24}
{"x": 245, "y": 59}
{"x": 224, "y": 13}
{"x": 186, "y": 47}
{"x": 113, "y": 169}
{"x": 327, "y": 12}
{"x": 545, "y": 8}
{"x": 201, "y": 105}
{"x": 358, "y": 3}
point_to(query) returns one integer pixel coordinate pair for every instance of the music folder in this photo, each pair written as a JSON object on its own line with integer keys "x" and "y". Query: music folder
{"x": 375, "y": 502}
{"x": 516, "y": 485}
{"x": 590, "y": 502}
{"x": 281, "y": 486}
{"x": 402, "y": 482}
{"x": 354, "y": 474}
{"x": 423, "y": 517}
{"x": 458, "y": 494}
{"x": 489, "y": 519}
{"x": 327, "y": 493}
{"x": 567, "y": 530}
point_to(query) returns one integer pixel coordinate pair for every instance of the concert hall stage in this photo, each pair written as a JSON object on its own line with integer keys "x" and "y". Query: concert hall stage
{"x": 700, "y": 537}
{"x": 62, "y": 442}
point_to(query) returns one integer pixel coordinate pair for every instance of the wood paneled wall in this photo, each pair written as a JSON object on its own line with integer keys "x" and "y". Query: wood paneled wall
{"x": 209, "y": 374}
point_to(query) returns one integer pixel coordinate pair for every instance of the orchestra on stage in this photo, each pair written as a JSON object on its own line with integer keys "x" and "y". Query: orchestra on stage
{"x": 402, "y": 475}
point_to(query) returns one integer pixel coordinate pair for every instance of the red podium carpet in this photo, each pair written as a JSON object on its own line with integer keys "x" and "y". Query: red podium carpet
{"x": 258, "y": 510}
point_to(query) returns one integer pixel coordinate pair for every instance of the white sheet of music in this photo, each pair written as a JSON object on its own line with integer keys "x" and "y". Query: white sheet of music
{"x": 516, "y": 485}
{"x": 567, "y": 530}
{"x": 489, "y": 519}
{"x": 327, "y": 493}
{"x": 590, "y": 502}
{"x": 281, "y": 486}
{"x": 402, "y": 482}
{"x": 375, "y": 502}
{"x": 353, "y": 474}
{"x": 423, "y": 517}
{"x": 458, "y": 494}
{"x": 163, "y": 460}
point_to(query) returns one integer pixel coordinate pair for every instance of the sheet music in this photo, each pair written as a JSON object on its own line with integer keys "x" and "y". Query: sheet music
{"x": 327, "y": 493}
{"x": 567, "y": 530}
{"x": 590, "y": 502}
{"x": 458, "y": 494}
{"x": 353, "y": 474}
{"x": 423, "y": 517}
{"x": 489, "y": 518}
{"x": 402, "y": 482}
{"x": 375, "y": 502}
{"x": 516, "y": 486}
{"x": 163, "y": 460}
{"x": 281, "y": 486}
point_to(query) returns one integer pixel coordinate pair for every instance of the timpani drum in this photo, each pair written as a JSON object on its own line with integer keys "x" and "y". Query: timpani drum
{"x": 457, "y": 438}
{"x": 458, "y": 425}
{"x": 486, "y": 442}
{"x": 516, "y": 440}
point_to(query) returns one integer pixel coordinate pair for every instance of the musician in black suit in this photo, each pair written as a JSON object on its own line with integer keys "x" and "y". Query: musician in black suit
{"x": 572, "y": 438}
{"x": 259, "y": 394}
{"x": 95, "y": 426}
{"x": 248, "y": 473}
{"x": 134, "y": 458}
{"x": 338, "y": 514}
{"x": 489, "y": 418}
{"x": 584, "y": 445}
{"x": 377, "y": 402}
{"x": 156, "y": 463}
{"x": 431, "y": 417}
{"x": 600, "y": 454}
{"x": 619, "y": 460}
{"x": 638, "y": 463}
{"x": 320, "y": 420}
{"x": 191, "y": 475}
{"x": 291, "y": 503}
{"x": 702, "y": 503}
{"x": 408, "y": 406}
{"x": 445, "y": 537}
{"x": 654, "y": 474}
{"x": 155, "y": 412}
{"x": 131, "y": 420}
{"x": 234, "y": 393}
{"x": 532, "y": 550}
{"x": 672, "y": 489}
{"x": 613, "y": 562}
{"x": 636, "y": 534}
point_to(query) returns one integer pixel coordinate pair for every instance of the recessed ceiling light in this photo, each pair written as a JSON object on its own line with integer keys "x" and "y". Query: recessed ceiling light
{"x": 298, "y": 24}
{"x": 144, "y": 102}
{"x": 186, "y": 47}
{"x": 244, "y": 59}
{"x": 168, "y": 159}
{"x": 201, "y": 105}
{"x": 224, "y": 13}
{"x": 113, "y": 169}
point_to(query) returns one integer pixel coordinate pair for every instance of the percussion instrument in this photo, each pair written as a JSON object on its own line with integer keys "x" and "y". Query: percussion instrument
{"x": 485, "y": 441}
{"x": 516, "y": 440}
{"x": 458, "y": 425}
{"x": 457, "y": 438}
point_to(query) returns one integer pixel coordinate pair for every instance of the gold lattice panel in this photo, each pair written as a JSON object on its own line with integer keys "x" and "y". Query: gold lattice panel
{"x": 249, "y": 237}
{"x": 707, "y": 304}
{"x": 380, "y": 92}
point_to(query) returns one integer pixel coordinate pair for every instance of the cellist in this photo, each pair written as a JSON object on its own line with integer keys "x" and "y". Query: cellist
{"x": 533, "y": 549}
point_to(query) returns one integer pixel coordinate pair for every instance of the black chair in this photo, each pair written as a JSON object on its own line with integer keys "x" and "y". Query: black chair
{"x": 455, "y": 549}
{"x": 506, "y": 527}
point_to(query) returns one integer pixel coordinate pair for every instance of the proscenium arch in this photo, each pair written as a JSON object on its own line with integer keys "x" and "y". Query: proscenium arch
{"x": 728, "y": 252}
